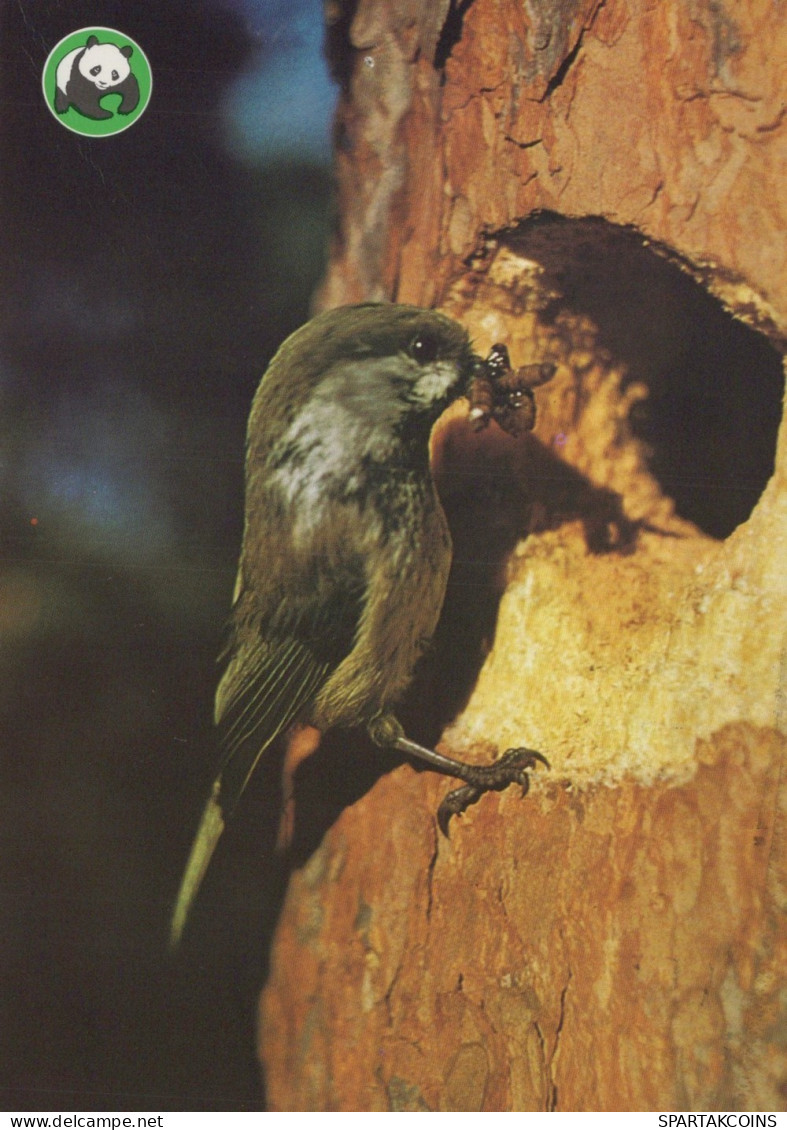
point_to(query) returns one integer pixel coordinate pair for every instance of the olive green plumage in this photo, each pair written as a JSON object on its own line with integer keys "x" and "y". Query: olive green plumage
{"x": 346, "y": 550}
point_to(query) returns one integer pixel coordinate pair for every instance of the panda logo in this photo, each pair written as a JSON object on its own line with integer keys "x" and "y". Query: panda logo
{"x": 86, "y": 67}
{"x": 86, "y": 74}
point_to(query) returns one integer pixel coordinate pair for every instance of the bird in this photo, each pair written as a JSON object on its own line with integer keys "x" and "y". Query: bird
{"x": 345, "y": 554}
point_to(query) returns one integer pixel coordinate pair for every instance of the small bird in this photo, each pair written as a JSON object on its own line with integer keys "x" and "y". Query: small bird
{"x": 346, "y": 551}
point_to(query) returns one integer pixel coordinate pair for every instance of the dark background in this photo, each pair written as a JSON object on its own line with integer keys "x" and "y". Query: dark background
{"x": 146, "y": 279}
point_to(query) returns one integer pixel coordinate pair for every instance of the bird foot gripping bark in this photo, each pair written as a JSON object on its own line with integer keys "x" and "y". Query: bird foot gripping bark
{"x": 511, "y": 769}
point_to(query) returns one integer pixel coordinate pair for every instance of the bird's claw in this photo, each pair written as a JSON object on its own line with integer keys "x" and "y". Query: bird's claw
{"x": 511, "y": 769}
{"x": 455, "y": 802}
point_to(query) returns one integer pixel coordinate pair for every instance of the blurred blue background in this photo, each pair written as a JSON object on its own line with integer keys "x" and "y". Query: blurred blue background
{"x": 281, "y": 105}
{"x": 147, "y": 278}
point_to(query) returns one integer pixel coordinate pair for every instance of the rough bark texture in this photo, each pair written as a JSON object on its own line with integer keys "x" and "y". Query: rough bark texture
{"x": 601, "y": 183}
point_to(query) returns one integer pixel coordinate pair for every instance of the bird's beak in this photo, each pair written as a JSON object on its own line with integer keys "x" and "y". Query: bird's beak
{"x": 476, "y": 369}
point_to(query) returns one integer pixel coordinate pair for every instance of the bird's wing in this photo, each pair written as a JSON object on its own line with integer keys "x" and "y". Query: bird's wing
{"x": 263, "y": 692}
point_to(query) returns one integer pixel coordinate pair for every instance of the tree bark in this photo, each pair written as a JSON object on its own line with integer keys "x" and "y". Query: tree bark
{"x": 600, "y": 184}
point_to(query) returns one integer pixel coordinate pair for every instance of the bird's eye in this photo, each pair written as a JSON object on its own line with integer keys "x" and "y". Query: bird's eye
{"x": 424, "y": 348}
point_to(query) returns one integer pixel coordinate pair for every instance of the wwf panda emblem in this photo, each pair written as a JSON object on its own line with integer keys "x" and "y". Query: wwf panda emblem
{"x": 86, "y": 74}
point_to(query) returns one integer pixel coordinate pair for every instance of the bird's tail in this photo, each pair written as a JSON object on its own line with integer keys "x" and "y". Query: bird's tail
{"x": 210, "y": 828}
{"x": 263, "y": 691}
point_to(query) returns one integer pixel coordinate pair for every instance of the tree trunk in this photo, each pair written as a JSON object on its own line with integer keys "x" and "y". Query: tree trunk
{"x": 600, "y": 183}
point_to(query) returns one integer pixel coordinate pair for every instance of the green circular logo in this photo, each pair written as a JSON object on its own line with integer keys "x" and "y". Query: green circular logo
{"x": 97, "y": 81}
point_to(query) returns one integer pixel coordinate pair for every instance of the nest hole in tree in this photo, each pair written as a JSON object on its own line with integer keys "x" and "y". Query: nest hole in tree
{"x": 708, "y": 425}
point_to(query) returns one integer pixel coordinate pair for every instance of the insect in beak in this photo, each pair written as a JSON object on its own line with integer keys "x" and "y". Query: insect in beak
{"x": 495, "y": 392}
